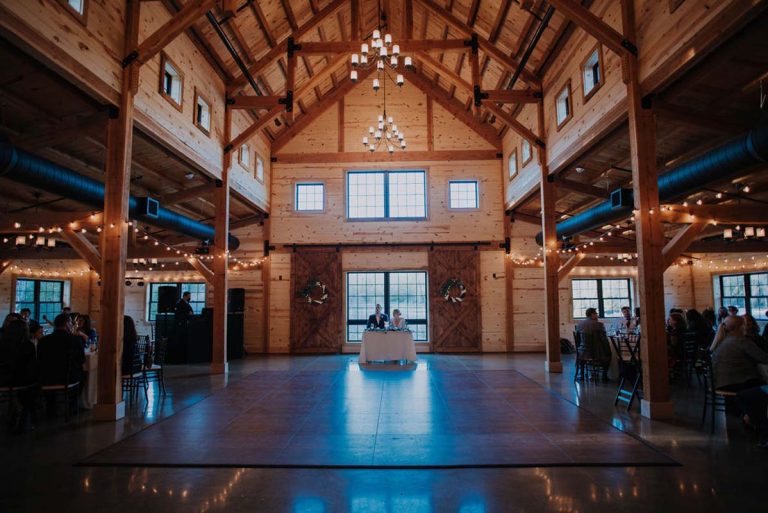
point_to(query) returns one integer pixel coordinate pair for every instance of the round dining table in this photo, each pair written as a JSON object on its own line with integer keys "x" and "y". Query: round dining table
{"x": 91, "y": 367}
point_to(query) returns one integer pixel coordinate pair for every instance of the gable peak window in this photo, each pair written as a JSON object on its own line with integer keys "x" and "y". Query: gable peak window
{"x": 202, "y": 113}
{"x": 592, "y": 72}
{"x": 244, "y": 156}
{"x": 563, "y": 106}
{"x": 512, "y": 164}
{"x": 77, "y": 8}
{"x": 259, "y": 169}
{"x": 171, "y": 81}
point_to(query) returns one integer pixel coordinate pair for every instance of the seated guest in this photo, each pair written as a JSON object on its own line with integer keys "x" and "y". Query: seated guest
{"x": 733, "y": 310}
{"x": 83, "y": 329}
{"x": 18, "y": 369}
{"x": 698, "y": 326}
{"x": 736, "y": 357}
{"x": 754, "y": 404}
{"x": 378, "y": 319}
{"x": 752, "y": 331}
{"x": 676, "y": 328}
{"x": 398, "y": 321}
{"x": 65, "y": 310}
{"x": 26, "y": 314}
{"x": 594, "y": 340}
{"x": 53, "y": 352}
{"x": 710, "y": 318}
{"x": 130, "y": 338}
{"x": 35, "y": 332}
{"x": 627, "y": 322}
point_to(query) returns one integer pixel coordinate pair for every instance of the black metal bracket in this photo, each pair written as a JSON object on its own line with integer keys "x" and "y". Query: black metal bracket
{"x": 267, "y": 248}
{"x": 646, "y": 102}
{"x": 227, "y": 148}
{"x": 218, "y": 183}
{"x": 507, "y": 245}
{"x": 538, "y": 94}
{"x": 130, "y": 58}
{"x": 287, "y": 101}
{"x": 473, "y": 43}
{"x": 551, "y": 178}
{"x": 540, "y": 143}
{"x": 113, "y": 112}
{"x": 629, "y": 45}
{"x": 230, "y": 101}
{"x": 293, "y": 47}
{"x": 479, "y": 95}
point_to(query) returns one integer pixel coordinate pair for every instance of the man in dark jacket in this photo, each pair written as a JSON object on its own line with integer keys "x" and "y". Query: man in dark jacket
{"x": 60, "y": 356}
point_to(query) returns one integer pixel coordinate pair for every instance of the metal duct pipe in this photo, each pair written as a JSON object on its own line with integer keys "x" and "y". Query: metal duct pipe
{"x": 23, "y": 167}
{"x": 724, "y": 162}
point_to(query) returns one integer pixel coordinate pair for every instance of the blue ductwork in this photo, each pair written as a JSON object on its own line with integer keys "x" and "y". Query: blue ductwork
{"x": 722, "y": 163}
{"x": 23, "y": 167}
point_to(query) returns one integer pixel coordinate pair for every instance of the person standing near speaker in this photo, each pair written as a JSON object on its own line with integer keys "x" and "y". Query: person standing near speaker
{"x": 183, "y": 309}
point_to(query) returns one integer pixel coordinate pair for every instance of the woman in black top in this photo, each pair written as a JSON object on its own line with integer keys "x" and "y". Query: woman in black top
{"x": 129, "y": 344}
{"x": 18, "y": 368}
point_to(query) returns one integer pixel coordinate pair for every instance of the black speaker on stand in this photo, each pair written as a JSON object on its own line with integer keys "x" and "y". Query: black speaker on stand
{"x": 235, "y": 323}
{"x": 165, "y": 324}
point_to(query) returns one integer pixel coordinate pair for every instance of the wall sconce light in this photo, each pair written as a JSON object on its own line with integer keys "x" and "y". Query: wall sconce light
{"x": 20, "y": 241}
{"x": 761, "y": 232}
{"x": 749, "y": 231}
{"x": 51, "y": 243}
{"x": 40, "y": 242}
{"x": 728, "y": 233}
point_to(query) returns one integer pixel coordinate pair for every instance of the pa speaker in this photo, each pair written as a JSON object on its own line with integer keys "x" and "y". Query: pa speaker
{"x": 236, "y": 300}
{"x": 167, "y": 297}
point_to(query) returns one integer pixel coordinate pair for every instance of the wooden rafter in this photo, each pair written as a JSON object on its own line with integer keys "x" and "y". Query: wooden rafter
{"x": 489, "y": 48}
{"x": 582, "y": 188}
{"x": 189, "y": 193}
{"x": 568, "y": 266}
{"x": 680, "y": 242}
{"x": 239, "y": 82}
{"x": 201, "y": 268}
{"x": 596, "y": 27}
{"x": 723, "y": 214}
{"x": 84, "y": 248}
{"x": 455, "y": 107}
{"x": 514, "y": 124}
{"x": 317, "y": 109}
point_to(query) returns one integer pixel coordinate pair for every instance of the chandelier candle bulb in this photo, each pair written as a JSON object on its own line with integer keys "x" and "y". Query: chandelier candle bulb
{"x": 376, "y": 34}
{"x": 381, "y": 118}
{"x": 393, "y": 61}
{"x": 396, "y": 50}
{"x": 355, "y": 59}
{"x": 380, "y": 65}
{"x": 390, "y": 120}
{"x": 400, "y": 80}
{"x": 363, "y": 59}
{"x": 353, "y": 75}
{"x": 371, "y": 130}
{"x": 364, "y": 48}
{"x": 388, "y": 39}
{"x": 383, "y": 52}
{"x": 376, "y": 84}
{"x": 390, "y": 149}
{"x": 408, "y": 62}
{"x": 749, "y": 231}
{"x": 378, "y": 134}
{"x": 365, "y": 141}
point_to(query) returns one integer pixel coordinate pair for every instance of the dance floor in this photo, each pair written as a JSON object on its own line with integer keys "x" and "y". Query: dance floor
{"x": 331, "y": 413}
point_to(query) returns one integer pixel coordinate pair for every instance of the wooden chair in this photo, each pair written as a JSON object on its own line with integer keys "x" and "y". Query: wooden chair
{"x": 714, "y": 399}
{"x": 69, "y": 391}
{"x": 155, "y": 371}
{"x": 136, "y": 378}
{"x": 690, "y": 350}
{"x": 11, "y": 392}
{"x": 630, "y": 369}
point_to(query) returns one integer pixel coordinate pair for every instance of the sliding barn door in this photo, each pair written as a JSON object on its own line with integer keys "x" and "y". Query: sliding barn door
{"x": 316, "y": 321}
{"x": 455, "y": 324}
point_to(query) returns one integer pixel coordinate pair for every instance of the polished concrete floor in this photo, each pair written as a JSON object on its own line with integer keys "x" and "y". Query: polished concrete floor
{"x": 720, "y": 472}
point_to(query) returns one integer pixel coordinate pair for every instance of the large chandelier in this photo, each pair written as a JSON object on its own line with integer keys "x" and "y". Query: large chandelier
{"x": 385, "y": 134}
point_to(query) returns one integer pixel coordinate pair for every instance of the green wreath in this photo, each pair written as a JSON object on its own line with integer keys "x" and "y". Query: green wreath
{"x": 310, "y": 287}
{"x": 445, "y": 290}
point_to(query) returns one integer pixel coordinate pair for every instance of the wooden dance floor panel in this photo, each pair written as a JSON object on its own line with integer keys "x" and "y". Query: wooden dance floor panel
{"x": 446, "y": 411}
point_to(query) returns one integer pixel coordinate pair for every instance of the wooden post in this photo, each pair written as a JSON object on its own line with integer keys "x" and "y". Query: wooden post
{"x": 474, "y": 60}
{"x": 551, "y": 259}
{"x": 114, "y": 240}
{"x": 290, "y": 80}
{"x": 341, "y": 126}
{"x": 650, "y": 236}
{"x": 356, "y": 35}
{"x": 219, "y": 364}
{"x": 266, "y": 279}
{"x": 430, "y": 125}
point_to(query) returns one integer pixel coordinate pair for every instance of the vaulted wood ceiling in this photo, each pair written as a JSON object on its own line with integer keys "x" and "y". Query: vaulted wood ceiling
{"x": 260, "y": 31}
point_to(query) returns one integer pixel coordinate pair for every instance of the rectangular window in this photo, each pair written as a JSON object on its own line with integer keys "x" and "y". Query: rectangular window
{"x": 310, "y": 197}
{"x": 525, "y": 151}
{"x": 463, "y": 194}
{"x": 402, "y": 290}
{"x": 512, "y": 164}
{"x": 748, "y": 292}
{"x": 171, "y": 81}
{"x": 563, "y": 106}
{"x": 202, "y": 113}
{"x": 592, "y": 73}
{"x": 42, "y": 297}
{"x": 605, "y": 295}
{"x": 197, "y": 291}
{"x": 77, "y": 8}
{"x": 386, "y": 195}
{"x": 259, "y": 169}
{"x": 244, "y": 156}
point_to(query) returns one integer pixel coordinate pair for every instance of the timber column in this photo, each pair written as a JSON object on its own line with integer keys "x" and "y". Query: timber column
{"x": 219, "y": 364}
{"x": 551, "y": 257}
{"x": 114, "y": 239}
{"x": 650, "y": 235}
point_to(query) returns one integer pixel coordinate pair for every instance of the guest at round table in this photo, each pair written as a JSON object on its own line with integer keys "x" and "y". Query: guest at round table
{"x": 398, "y": 321}
{"x": 594, "y": 340}
{"x": 83, "y": 329}
{"x": 35, "y": 332}
{"x": 752, "y": 332}
{"x": 378, "y": 319}
{"x": 26, "y": 314}
{"x": 129, "y": 344}
{"x": 699, "y": 327}
{"x": 736, "y": 357}
{"x": 18, "y": 368}
{"x": 710, "y": 318}
{"x": 733, "y": 310}
{"x": 722, "y": 314}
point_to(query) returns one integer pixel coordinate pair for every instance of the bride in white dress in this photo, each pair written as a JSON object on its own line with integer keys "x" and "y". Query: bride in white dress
{"x": 398, "y": 321}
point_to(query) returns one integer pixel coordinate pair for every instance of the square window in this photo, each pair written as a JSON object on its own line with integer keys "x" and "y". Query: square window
{"x": 525, "y": 151}
{"x": 463, "y": 194}
{"x": 592, "y": 73}
{"x": 244, "y": 156}
{"x": 202, "y": 113}
{"x": 77, "y": 8}
{"x": 563, "y": 105}
{"x": 512, "y": 164}
{"x": 171, "y": 81}
{"x": 310, "y": 197}
{"x": 259, "y": 169}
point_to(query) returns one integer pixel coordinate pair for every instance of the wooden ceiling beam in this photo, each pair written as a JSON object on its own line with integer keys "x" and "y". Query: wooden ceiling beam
{"x": 501, "y": 18}
{"x": 367, "y": 156}
{"x": 317, "y": 109}
{"x": 488, "y": 47}
{"x": 514, "y": 124}
{"x": 178, "y": 23}
{"x": 684, "y": 116}
{"x": 406, "y": 46}
{"x": 189, "y": 193}
{"x": 582, "y": 188}
{"x": 455, "y": 107}
{"x": 595, "y": 26}
{"x": 722, "y": 214}
{"x": 254, "y": 102}
{"x": 281, "y": 48}
{"x": 511, "y": 96}
{"x": 63, "y": 131}
{"x": 84, "y": 248}
{"x": 568, "y": 266}
{"x": 680, "y": 243}
{"x": 201, "y": 268}
{"x": 289, "y": 15}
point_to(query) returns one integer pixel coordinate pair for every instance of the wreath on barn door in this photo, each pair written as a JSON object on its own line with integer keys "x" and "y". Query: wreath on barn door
{"x": 309, "y": 292}
{"x": 447, "y": 290}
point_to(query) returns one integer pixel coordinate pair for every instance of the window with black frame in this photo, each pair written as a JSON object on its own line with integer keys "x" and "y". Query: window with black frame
{"x": 748, "y": 292}
{"x": 605, "y": 295}
{"x": 402, "y": 290}
{"x": 42, "y": 297}
{"x": 386, "y": 195}
{"x": 196, "y": 290}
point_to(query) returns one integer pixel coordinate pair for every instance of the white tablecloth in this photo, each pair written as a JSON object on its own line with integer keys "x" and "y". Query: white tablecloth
{"x": 88, "y": 393}
{"x": 387, "y": 346}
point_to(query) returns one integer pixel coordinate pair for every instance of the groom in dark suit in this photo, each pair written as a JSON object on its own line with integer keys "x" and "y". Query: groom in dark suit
{"x": 378, "y": 319}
